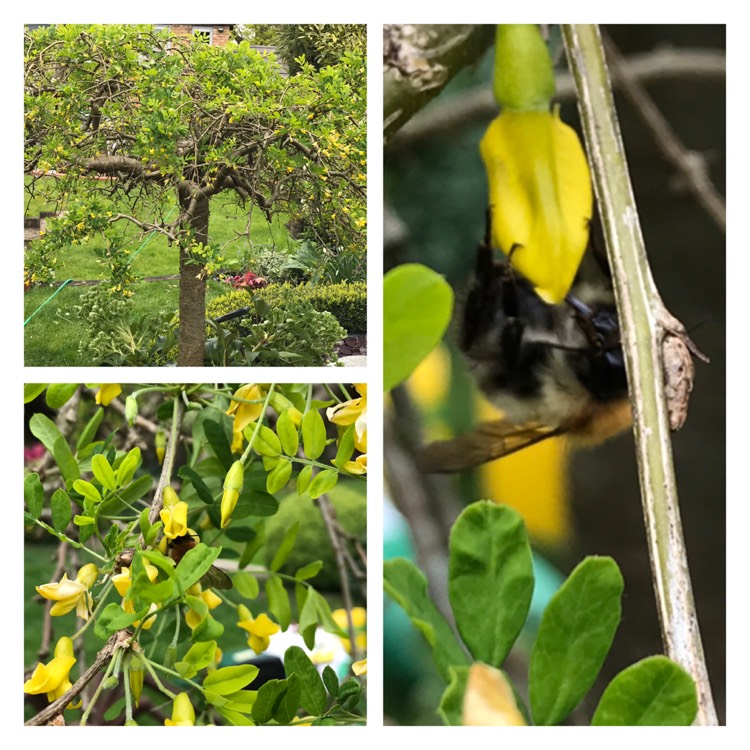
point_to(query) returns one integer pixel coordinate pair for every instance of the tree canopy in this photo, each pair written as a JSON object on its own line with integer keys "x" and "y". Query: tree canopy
{"x": 126, "y": 115}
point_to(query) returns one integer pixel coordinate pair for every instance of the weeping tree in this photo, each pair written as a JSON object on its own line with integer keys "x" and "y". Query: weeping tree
{"x": 124, "y": 122}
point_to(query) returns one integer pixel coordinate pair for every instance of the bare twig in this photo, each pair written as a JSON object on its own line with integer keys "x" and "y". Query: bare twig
{"x": 329, "y": 519}
{"x": 691, "y": 164}
{"x": 645, "y": 324}
{"x": 169, "y": 456}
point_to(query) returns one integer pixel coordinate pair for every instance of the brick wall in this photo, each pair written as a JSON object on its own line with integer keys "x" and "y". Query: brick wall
{"x": 220, "y": 32}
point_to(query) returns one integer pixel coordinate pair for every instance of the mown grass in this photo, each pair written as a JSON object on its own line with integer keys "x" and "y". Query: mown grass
{"x": 53, "y": 334}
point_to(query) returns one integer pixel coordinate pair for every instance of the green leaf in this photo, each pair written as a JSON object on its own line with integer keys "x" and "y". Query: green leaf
{"x": 136, "y": 490}
{"x": 84, "y": 521}
{"x": 289, "y": 704}
{"x": 331, "y": 681}
{"x": 279, "y": 476}
{"x": 417, "y": 305}
{"x": 113, "y": 618}
{"x": 490, "y": 579}
{"x": 346, "y": 447}
{"x": 33, "y": 494}
{"x": 235, "y": 718}
{"x": 58, "y": 394}
{"x": 278, "y": 601}
{"x": 61, "y": 509}
{"x": 307, "y": 606}
{"x": 195, "y": 563}
{"x": 127, "y": 468}
{"x": 217, "y": 439}
{"x": 313, "y": 434}
{"x": 407, "y": 586}
{"x": 266, "y": 442}
{"x": 103, "y": 472}
{"x": 201, "y": 488}
{"x": 350, "y": 692}
{"x": 246, "y": 584}
{"x": 309, "y": 571}
{"x": 207, "y": 629}
{"x": 45, "y": 429}
{"x": 303, "y": 479}
{"x": 323, "y": 482}
{"x": 285, "y": 547}
{"x": 268, "y": 699}
{"x": 573, "y": 639}
{"x": 32, "y": 390}
{"x": 230, "y": 679}
{"x": 91, "y": 493}
{"x": 313, "y": 692}
{"x": 89, "y": 431}
{"x": 652, "y": 692}
{"x": 288, "y": 435}
{"x": 65, "y": 460}
{"x": 451, "y": 703}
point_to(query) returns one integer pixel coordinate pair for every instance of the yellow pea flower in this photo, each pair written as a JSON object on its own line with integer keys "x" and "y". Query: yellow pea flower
{"x": 260, "y": 628}
{"x": 192, "y": 618}
{"x": 107, "y": 393}
{"x": 183, "y": 713}
{"x": 54, "y": 678}
{"x": 174, "y": 518}
{"x": 245, "y": 414}
{"x": 69, "y": 595}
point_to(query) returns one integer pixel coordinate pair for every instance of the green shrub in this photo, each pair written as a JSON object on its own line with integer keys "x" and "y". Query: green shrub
{"x": 273, "y": 335}
{"x": 346, "y": 302}
{"x": 313, "y": 543}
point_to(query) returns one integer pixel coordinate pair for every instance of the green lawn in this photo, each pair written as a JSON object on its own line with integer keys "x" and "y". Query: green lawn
{"x": 53, "y": 334}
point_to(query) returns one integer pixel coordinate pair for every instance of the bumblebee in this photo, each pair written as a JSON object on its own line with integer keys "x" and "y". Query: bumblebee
{"x": 214, "y": 577}
{"x": 551, "y": 369}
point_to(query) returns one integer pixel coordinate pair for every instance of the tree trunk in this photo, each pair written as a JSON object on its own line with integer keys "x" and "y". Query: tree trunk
{"x": 193, "y": 289}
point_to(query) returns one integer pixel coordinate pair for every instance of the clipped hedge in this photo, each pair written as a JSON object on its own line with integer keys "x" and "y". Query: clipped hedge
{"x": 346, "y": 302}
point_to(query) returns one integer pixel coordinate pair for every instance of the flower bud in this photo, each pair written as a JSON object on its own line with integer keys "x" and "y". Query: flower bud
{"x": 131, "y": 409}
{"x": 169, "y": 497}
{"x": 135, "y": 677}
{"x": 160, "y": 444}
{"x": 232, "y": 489}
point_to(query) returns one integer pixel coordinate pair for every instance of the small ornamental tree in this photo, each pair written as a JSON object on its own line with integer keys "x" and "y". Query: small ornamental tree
{"x": 159, "y": 499}
{"x": 129, "y": 120}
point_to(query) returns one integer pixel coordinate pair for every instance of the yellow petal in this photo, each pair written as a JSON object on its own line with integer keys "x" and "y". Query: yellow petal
{"x": 489, "y": 700}
{"x": 541, "y": 200}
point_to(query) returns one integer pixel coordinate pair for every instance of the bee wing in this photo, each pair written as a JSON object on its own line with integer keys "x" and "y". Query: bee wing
{"x": 489, "y": 441}
{"x": 216, "y": 578}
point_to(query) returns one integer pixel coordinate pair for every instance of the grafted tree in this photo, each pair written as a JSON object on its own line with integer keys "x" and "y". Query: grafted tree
{"x": 158, "y": 119}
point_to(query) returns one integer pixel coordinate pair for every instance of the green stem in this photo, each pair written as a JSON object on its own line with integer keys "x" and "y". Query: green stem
{"x": 258, "y": 424}
{"x": 102, "y": 598}
{"x": 644, "y": 323}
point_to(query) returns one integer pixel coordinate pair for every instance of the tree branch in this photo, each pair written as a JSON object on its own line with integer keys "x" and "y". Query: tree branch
{"x": 121, "y": 639}
{"x": 419, "y": 60}
{"x": 646, "y": 327}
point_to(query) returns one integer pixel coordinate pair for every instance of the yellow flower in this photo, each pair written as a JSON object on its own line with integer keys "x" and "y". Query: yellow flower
{"x": 260, "y": 628}
{"x": 54, "y": 678}
{"x": 183, "y": 713}
{"x": 541, "y": 200}
{"x": 360, "y": 667}
{"x": 359, "y": 622}
{"x": 107, "y": 393}
{"x": 489, "y": 699}
{"x": 193, "y": 618}
{"x": 354, "y": 412}
{"x": 69, "y": 595}
{"x": 174, "y": 518}
{"x": 245, "y": 414}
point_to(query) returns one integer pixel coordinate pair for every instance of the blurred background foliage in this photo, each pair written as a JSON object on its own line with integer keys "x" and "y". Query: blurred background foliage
{"x": 586, "y": 502}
